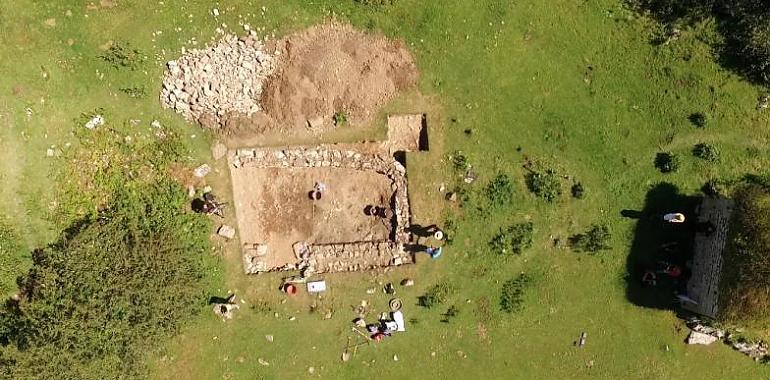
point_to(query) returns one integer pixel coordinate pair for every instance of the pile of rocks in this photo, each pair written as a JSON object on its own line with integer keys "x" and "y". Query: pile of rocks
{"x": 351, "y": 257}
{"x": 206, "y": 85}
{"x": 703, "y": 334}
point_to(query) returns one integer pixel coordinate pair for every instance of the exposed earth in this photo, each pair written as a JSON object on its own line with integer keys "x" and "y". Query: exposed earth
{"x": 301, "y": 81}
{"x": 273, "y": 207}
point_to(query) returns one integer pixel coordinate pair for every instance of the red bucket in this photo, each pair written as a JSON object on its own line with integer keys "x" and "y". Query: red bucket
{"x": 290, "y": 289}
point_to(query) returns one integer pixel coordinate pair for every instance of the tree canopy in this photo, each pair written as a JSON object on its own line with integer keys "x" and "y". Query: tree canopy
{"x": 106, "y": 289}
{"x": 743, "y": 24}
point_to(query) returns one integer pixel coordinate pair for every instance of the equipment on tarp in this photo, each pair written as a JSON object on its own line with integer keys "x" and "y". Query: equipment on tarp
{"x": 316, "y": 286}
{"x": 675, "y": 217}
{"x": 434, "y": 252}
{"x": 398, "y": 318}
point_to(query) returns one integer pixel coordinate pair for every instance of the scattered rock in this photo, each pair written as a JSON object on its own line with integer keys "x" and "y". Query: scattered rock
{"x": 700, "y": 338}
{"x": 51, "y": 22}
{"x": 407, "y": 282}
{"x": 219, "y": 81}
{"x": 215, "y": 12}
{"x": 95, "y": 121}
{"x": 263, "y": 362}
{"x": 225, "y": 310}
{"x": 469, "y": 177}
{"x": 395, "y": 357}
{"x": 226, "y": 231}
{"x": 50, "y": 152}
{"x": 202, "y": 171}
{"x": 345, "y": 356}
{"x": 269, "y": 338}
{"x": 451, "y": 196}
{"x": 218, "y": 151}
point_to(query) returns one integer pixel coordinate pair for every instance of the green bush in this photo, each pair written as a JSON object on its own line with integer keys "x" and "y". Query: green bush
{"x": 460, "y": 161}
{"x": 450, "y": 229}
{"x": 714, "y": 188}
{"x": 545, "y": 184}
{"x": 122, "y": 56}
{"x": 375, "y": 2}
{"x": 698, "y": 119}
{"x": 340, "y": 118}
{"x": 514, "y": 239}
{"x": 577, "y": 190}
{"x": 512, "y": 293}
{"x": 134, "y": 92}
{"x": 667, "y": 162}
{"x": 500, "y": 190}
{"x": 438, "y": 294}
{"x": 11, "y": 250}
{"x": 452, "y": 312}
{"x": 706, "y": 152}
{"x": 594, "y": 240}
{"x": 743, "y": 44}
{"x": 112, "y": 284}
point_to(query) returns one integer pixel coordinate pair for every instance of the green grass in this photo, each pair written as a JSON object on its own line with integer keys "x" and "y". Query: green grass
{"x": 575, "y": 85}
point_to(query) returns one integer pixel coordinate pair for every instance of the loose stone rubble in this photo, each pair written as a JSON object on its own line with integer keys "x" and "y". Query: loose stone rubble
{"x": 343, "y": 256}
{"x": 703, "y": 334}
{"x": 224, "y": 79}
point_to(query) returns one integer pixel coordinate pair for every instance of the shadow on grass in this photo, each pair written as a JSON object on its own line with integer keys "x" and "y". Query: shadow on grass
{"x": 657, "y": 241}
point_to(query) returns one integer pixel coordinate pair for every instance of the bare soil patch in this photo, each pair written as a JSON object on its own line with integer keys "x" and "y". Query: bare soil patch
{"x": 334, "y": 67}
{"x": 273, "y": 207}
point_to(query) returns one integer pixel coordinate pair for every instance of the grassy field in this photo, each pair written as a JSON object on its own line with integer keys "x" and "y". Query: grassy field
{"x": 574, "y": 85}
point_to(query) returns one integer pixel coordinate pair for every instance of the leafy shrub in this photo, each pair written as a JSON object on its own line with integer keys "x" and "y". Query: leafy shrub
{"x": 105, "y": 162}
{"x": 113, "y": 285}
{"x": 743, "y": 43}
{"x": 450, "y": 229}
{"x": 594, "y": 240}
{"x": 667, "y": 162}
{"x": 375, "y": 2}
{"x": 340, "y": 118}
{"x": 706, "y": 152}
{"x": 545, "y": 184}
{"x": 577, "y": 190}
{"x": 460, "y": 161}
{"x": 515, "y": 239}
{"x": 512, "y": 293}
{"x": 452, "y": 312}
{"x": 714, "y": 188}
{"x": 500, "y": 190}
{"x": 11, "y": 249}
{"x": 134, "y": 92}
{"x": 123, "y": 56}
{"x": 698, "y": 119}
{"x": 437, "y": 295}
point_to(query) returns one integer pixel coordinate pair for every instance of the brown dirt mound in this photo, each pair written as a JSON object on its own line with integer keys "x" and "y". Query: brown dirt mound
{"x": 333, "y": 67}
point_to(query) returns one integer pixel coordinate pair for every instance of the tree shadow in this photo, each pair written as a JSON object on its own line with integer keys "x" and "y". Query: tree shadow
{"x": 657, "y": 241}
{"x": 738, "y": 22}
